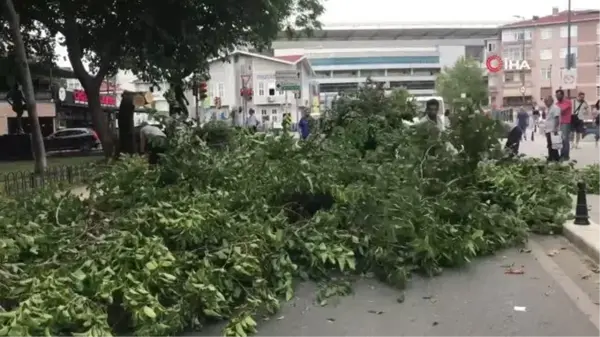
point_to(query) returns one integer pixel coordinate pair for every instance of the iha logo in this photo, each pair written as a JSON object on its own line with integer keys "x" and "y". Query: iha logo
{"x": 494, "y": 64}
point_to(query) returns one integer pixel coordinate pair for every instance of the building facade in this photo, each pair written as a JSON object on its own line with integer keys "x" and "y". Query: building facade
{"x": 542, "y": 43}
{"x": 408, "y": 56}
{"x": 247, "y": 80}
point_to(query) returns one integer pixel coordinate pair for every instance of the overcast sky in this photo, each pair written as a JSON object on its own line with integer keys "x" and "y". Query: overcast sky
{"x": 425, "y": 11}
{"x": 399, "y": 11}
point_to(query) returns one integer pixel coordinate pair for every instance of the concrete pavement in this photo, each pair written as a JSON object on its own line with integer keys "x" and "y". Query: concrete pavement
{"x": 587, "y": 154}
{"x": 556, "y": 296}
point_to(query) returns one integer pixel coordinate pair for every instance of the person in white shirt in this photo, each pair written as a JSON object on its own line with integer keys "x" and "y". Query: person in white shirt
{"x": 552, "y": 126}
{"x": 153, "y": 141}
{"x": 432, "y": 109}
{"x": 252, "y": 122}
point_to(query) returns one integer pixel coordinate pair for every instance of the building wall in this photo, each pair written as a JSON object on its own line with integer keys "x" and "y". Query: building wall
{"x": 547, "y": 58}
{"x": 226, "y": 82}
{"x": 393, "y": 62}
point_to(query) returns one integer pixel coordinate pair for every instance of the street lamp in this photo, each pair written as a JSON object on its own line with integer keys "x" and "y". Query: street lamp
{"x": 523, "y": 57}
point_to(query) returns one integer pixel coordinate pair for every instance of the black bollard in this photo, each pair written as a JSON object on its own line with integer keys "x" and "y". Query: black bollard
{"x": 581, "y": 209}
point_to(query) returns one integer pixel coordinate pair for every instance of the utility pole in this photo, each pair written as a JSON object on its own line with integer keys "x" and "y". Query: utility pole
{"x": 569, "y": 60}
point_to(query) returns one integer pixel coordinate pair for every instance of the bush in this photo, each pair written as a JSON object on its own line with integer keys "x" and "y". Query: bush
{"x": 223, "y": 233}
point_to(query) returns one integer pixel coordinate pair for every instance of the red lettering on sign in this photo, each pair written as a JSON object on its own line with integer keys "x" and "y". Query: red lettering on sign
{"x": 79, "y": 96}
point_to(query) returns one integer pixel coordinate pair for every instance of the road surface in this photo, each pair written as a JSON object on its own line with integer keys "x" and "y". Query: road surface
{"x": 587, "y": 154}
{"x": 556, "y": 296}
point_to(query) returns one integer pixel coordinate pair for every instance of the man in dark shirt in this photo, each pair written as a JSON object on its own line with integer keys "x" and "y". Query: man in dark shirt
{"x": 515, "y": 134}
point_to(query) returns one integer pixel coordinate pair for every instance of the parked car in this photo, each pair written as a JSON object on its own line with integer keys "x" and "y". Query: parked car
{"x": 82, "y": 139}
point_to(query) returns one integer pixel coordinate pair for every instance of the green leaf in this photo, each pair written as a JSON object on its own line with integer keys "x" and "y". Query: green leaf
{"x": 149, "y": 312}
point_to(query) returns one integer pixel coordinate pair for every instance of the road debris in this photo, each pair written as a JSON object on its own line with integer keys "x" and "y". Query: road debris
{"x": 331, "y": 320}
{"x": 401, "y": 298}
{"x": 521, "y": 309}
{"x": 515, "y": 271}
{"x": 375, "y": 312}
{"x": 553, "y": 252}
{"x": 524, "y": 250}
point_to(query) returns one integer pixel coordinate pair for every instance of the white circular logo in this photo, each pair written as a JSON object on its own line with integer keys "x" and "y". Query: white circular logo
{"x": 522, "y": 90}
{"x": 569, "y": 79}
{"x": 62, "y": 94}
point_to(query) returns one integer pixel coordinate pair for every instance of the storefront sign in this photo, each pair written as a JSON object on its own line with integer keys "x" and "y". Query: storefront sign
{"x": 80, "y": 97}
{"x": 495, "y": 63}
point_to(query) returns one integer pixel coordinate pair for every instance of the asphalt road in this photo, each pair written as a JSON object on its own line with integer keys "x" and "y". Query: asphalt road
{"x": 556, "y": 296}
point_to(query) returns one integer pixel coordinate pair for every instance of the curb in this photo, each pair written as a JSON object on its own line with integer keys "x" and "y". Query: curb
{"x": 585, "y": 238}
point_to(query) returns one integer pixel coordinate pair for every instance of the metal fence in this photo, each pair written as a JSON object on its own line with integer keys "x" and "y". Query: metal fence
{"x": 20, "y": 182}
{"x": 505, "y": 115}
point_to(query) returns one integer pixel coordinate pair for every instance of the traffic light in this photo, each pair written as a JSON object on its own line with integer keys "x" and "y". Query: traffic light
{"x": 203, "y": 91}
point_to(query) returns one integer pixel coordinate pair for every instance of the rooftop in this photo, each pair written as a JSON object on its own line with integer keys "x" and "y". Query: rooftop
{"x": 406, "y": 31}
{"x": 557, "y": 18}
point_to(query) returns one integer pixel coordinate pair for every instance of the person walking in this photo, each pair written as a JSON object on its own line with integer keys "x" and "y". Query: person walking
{"x": 597, "y": 121}
{"x": 566, "y": 111}
{"x": 152, "y": 141}
{"x": 523, "y": 121}
{"x": 552, "y": 127}
{"x": 303, "y": 126}
{"x": 252, "y": 122}
{"x": 582, "y": 110}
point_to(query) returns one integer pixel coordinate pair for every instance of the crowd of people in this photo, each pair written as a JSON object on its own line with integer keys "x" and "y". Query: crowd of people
{"x": 561, "y": 121}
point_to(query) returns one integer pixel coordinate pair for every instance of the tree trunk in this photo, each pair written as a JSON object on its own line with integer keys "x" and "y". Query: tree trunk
{"x": 99, "y": 119}
{"x": 126, "y": 136}
{"x": 39, "y": 151}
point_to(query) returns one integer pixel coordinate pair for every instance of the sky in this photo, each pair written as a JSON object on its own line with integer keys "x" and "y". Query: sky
{"x": 416, "y": 11}
{"x": 425, "y": 11}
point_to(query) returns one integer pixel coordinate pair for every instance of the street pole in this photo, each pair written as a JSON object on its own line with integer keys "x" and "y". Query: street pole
{"x": 522, "y": 69}
{"x": 197, "y": 109}
{"x": 569, "y": 65}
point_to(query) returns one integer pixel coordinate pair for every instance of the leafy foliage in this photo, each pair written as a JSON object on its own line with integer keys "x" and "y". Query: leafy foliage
{"x": 222, "y": 232}
{"x": 466, "y": 76}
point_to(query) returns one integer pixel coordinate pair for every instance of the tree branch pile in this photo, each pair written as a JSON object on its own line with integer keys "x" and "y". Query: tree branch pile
{"x": 223, "y": 232}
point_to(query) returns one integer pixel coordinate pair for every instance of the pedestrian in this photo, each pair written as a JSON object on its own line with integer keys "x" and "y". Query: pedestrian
{"x": 523, "y": 121}
{"x": 515, "y": 134}
{"x": 152, "y": 141}
{"x": 597, "y": 121}
{"x": 536, "y": 117}
{"x": 582, "y": 110}
{"x": 566, "y": 110}
{"x": 552, "y": 128}
{"x": 252, "y": 122}
{"x": 304, "y": 126}
{"x": 432, "y": 108}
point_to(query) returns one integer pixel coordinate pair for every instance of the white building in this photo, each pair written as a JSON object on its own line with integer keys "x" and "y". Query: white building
{"x": 257, "y": 72}
{"x": 408, "y": 56}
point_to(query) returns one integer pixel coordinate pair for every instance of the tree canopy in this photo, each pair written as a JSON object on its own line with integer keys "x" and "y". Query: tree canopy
{"x": 160, "y": 40}
{"x": 466, "y": 76}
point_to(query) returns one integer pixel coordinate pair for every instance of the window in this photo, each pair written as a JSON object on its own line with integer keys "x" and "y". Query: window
{"x": 546, "y": 73}
{"x": 264, "y": 115}
{"x": 516, "y": 35}
{"x": 512, "y": 77}
{"x": 274, "y": 115}
{"x": 261, "y": 88}
{"x": 564, "y": 31}
{"x": 516, "y": 53}
{"x": 598, "y": 29}
{"x": 563, "y": 52}
{"x": 221, "y": 90}
{"x": 491, "y": 47}
{"x": 546, "y": 33}
{"x": 546, "y": 54}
